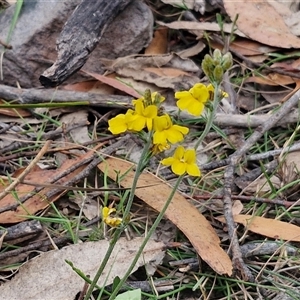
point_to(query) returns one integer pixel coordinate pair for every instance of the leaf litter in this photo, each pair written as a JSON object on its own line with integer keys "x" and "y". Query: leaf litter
{"x": 266, "y": 33}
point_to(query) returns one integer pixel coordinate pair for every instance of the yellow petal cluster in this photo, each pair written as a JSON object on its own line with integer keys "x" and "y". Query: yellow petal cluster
{"x": 108, "y": 219}
{"x": 165, "y": 131}
{"x": 134, "y": 120}
{"x": 193, "y": 100}
{"x": 183, "y": 161}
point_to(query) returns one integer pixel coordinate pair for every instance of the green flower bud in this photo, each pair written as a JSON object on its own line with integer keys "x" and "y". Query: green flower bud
{"x": 217, "y": 57}
{"x": 227, "y": 61}
{"x": 218, "y": 74}
{"x": 208, "y": 65}
{"x": 158, "y": 98}
{"x": 147, "y": 97}
{"x": 217, "y": 54}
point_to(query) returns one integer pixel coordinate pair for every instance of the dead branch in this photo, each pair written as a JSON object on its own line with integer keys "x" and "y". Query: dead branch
{"x": 39, "y": 96}
{"x": 229, "y": 180}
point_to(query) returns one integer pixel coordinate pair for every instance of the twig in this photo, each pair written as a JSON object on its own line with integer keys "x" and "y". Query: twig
{"x": 34, "y": 246}
{"x": 7, "y": 190}
{"x": 274, "y": 201}
{"x": 34, "y": 96}
{"x": 94, "y": 160}
{"x": 253, "y": 157}
{"x": 228, "y": 181}
{"x": 83, "y": 161}
{"x": 21, "y": 230}
{"x": 40, "y": 244}
{"x": 60, "y": 149}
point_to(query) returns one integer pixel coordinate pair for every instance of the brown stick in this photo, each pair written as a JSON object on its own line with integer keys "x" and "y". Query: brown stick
{"x": 26, "y": 171}
{"x": 34, "y": 96}
{"x": 229, "y": 178}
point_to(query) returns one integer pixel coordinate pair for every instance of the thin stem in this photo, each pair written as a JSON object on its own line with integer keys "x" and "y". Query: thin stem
{"x": 150, "y": 233}
{"x": 120, "y": 229}
{"x": 210, "y": 117}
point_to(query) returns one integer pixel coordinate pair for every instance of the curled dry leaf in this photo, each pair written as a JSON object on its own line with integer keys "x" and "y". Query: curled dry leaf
{"x": 166, "y": 71}
{"x": 49, "y": 277}
{"x": 183, "y": 214}
{"x": 261, "y": 22}
{"x": 274, "y": 229}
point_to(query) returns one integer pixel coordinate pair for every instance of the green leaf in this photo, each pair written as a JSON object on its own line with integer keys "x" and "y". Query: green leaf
{"x": 130, "y": 295}
{"x": 116, "y": 282}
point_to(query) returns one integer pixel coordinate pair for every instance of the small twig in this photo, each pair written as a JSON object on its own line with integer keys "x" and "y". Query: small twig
{"x": 7, "y": 190}
{"x": 274, "y": 201}
{"x": 83, "y": 161}
{"x": 267, "y": 248}
{"x": 21, "y": 230}
{"x": 252, "y": 157}
{"x": 84, "y": 290}
{"x": 228, "y": 181}
{"x": 40, "y": 244}
{"x": 45, "y": 136}
{"x": 34, "y": 246}
{"x": 58, "y": 149}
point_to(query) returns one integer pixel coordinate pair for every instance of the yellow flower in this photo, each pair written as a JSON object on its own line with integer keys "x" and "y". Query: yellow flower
{"x": 121, "y": 122}
{"x": 211, "y": 91}
{"x": 165, "y": 131}
{"x": 107, "y": 219}
{"x": 193, "y": 100}
{"x": 157, "y": 148}
{"x": 183, "y": 161}
{"x": 143, "y": 116}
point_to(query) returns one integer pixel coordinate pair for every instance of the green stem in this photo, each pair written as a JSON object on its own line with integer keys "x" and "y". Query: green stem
{"x": 120, "y": 229}
{"x": 150, "y": 233}
{"x": 210, "y": 116}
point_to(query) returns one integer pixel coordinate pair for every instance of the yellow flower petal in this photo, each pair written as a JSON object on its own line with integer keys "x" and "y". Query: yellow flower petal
{"x": 184, "y": 130}
{"x": 117, "y": 124}
{"x": 167, "y": 161}
{"x": 159, "y": 137}
{"x": 183, "y": 161}
{"x": 200, "y": 92}
{"x": 150, "y": 111}
{"x": 139, "y": 107}
{"x": 193, "y": 170}
{"x": 193, "y": 100}
{"x": 138, "y": 124}
{"x": 107, "y": 219}
{"x": 178, "y": 167}
{"x": 190, "y": 156}
{"x": 179, "y": 153}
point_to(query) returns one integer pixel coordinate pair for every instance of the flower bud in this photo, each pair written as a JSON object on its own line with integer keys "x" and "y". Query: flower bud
{"x": 218, "y": 74}
{"x": 147, "y": 98}
{"x": 227, "y": 61}
{"x": 208, "y": 66}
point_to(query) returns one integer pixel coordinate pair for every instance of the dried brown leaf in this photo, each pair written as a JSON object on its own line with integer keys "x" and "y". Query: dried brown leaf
{"x": 268, "y": 227}
{"x": 50, "y": 277}
{"x": 261, "y": 22}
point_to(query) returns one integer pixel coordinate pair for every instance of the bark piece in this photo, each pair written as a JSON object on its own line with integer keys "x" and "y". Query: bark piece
{"x": 79, "y": 38}
{"x": 33, "y": 40}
